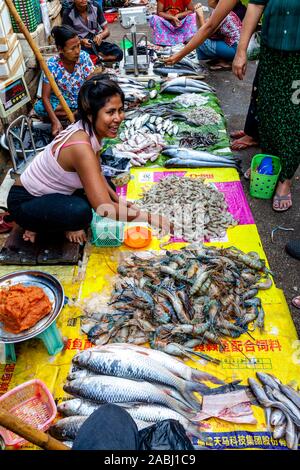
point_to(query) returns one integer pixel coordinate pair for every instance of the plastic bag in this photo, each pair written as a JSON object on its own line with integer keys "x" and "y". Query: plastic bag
{"x": 254, "y": 47}
{"x": 114, "y": 163}
{"x": 165, "y": 435}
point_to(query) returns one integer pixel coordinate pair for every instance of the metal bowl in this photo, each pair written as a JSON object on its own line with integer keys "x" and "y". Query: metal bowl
{"x": 52, "y": 288}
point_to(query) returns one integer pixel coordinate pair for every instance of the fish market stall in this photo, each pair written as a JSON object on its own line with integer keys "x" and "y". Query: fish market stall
{"x": 204, "y": 322}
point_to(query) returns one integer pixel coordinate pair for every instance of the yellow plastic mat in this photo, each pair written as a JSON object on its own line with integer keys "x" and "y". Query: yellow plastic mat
{"x": 275, "y": 350}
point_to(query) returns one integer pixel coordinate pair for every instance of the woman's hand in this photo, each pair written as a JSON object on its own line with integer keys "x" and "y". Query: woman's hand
{"x": 98, "y": 39}
{"x": 56, "y": 128}
{"x": 85, "y": 43}
{"x": 239, "y": 65}
{"x": 176, "y": 21}
{"x": 173, "y": 59}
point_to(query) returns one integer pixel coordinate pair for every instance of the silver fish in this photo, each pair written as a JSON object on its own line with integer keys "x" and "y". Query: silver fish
{"x": 156, "y": 413}
{"x": 279, "y": 430}
{"x": 267, "y": 379}
{"x": 291, "y": 394}
{"x": 106, "y": 389}
{"x": 126, "y": 364}
{"x": 77, "y": 407}
{"x": 189, "y": 163}
{"x": 277, "y": 417}
{"x": 67, "y": 428}
{"x": 172, "y": 364}
{"x": 284, "y": 399}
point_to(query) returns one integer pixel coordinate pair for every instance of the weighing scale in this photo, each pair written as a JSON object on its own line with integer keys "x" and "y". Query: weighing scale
{"x": 13, "y": 95}
{"x": 130, "y": 18}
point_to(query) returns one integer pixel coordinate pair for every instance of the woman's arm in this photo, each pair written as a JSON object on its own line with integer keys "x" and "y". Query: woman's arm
{"x": 212, "y": 24}
{"x": 55, "y": 122}
{"x": 102, "y": 199}
{"x": 166, "y": 16}
{"x": 253, "y": 15}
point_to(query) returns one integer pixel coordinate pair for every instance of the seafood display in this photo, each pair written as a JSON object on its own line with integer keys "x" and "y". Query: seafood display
{"x": 182, "y": 299}
{"x": 183, "y": 157}
{"x": 146, "y": 122}
{"x": 282, "y": 406}
{"x": 188, "y": 100}
{"x": 203, "y": 116}
{"x": 197, "y": 210}
{"x": 150, "y": 385}
{"x": 135, "y": 93}
{"x": 192, "y": 140}
{"x": 185, "y": 85}
{"x": 141, "y": 147}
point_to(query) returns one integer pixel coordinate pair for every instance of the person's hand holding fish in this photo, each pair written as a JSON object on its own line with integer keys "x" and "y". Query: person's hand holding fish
{"x": 173, "y": 59}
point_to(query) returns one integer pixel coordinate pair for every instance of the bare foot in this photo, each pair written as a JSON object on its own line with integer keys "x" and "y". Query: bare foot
{"x": 243, "y": 143}
{"x": 237, "y": 134}
{"x": 78, "y": 236}
{"x": 29, "y": 236}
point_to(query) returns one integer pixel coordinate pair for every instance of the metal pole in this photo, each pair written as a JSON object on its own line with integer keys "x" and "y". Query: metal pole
{"x": 134, "y": 48}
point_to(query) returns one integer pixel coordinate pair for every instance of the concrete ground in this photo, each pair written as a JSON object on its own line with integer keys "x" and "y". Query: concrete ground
{"x": 234, "y": 97}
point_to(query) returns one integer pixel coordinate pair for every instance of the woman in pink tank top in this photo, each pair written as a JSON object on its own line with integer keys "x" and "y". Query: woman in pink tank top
{"x": 61, "y": 186}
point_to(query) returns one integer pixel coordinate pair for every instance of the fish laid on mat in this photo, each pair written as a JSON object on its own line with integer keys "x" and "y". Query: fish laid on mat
{"x": 126, "y": 364}
{"x": 106, "y": 389}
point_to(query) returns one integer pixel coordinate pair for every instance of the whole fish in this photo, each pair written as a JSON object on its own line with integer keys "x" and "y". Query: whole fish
{"x": 277, "y": 418}
{"x": 156, "y": 413}
{"x": 180, "y": 71}
{"x": 106, "y": 389}
{"x": 289, "y": 403}
{"x": 279, "y": 430}
{"x": 181, "y": 89}
{"x": 126, "y": 364}
{"x": 77, "y": 407}
{"x": 291, "y": 394}
{"x": 189, "y": 163}
{"x": 267, "y": 379}
{"x": 171, "y": 363}
{"x": 263, "y": 400}
{"x": 67, "y": 428}
{"x": 291, "y": 435}
{"x": 182, "y": 153}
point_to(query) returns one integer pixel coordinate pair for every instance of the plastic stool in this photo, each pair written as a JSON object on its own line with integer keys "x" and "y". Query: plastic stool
{"x": 51, "y": 338}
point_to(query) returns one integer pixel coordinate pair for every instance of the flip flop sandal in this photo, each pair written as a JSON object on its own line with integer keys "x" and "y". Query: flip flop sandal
{"x": 247, "y": 174}
{"x": 296, "y": 301}
{"x": 277, "y": 199}
{"x": 236, "y": 145}
{"x": 220, "y": 67}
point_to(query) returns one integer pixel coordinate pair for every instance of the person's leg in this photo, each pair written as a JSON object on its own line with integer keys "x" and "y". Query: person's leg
{"x": 110, "y": 52}
{"x": 51, "y": 213}
{"x": 110, "y": 427}
{"x": 249, "y": 137}
{"x": 207, "y": 50}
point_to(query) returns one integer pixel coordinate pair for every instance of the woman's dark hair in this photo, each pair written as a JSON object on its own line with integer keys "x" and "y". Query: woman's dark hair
{"x": 93, "y": 96}
{"x": 62, "y": 34}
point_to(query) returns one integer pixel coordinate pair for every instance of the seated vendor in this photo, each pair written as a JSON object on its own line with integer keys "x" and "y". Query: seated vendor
{"x": 174, "y": 23}
{"x": 70, "y": 69}
{"x": 223, "y": 44}
{"x": 87, "y": 19}
{"x": 64, "y": 182}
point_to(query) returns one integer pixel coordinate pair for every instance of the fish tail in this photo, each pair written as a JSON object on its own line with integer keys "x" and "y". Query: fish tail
{"x": 188, "y": 393}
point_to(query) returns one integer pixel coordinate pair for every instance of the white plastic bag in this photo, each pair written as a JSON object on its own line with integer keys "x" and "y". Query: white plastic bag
{"x": 254, "y": 47}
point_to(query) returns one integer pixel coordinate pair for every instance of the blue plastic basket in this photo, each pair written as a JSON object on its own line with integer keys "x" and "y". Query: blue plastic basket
{"x": 106, "y": 232}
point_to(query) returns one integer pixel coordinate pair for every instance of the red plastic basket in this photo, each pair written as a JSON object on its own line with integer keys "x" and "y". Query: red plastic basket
{"x": 111, "y": 17}
{"x": 32, "y": 403}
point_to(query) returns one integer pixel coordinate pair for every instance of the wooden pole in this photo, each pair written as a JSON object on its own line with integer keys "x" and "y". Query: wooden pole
{"x": 39, "y": 438}
{"x": 40, "y": 58}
